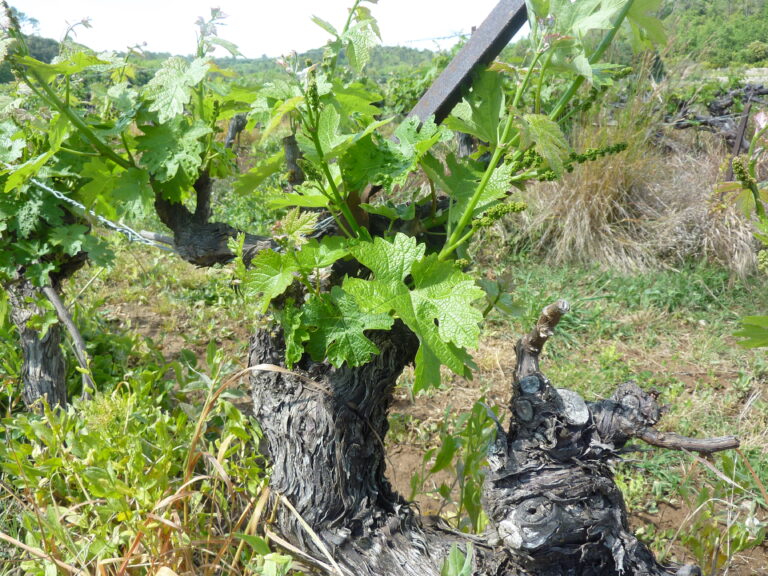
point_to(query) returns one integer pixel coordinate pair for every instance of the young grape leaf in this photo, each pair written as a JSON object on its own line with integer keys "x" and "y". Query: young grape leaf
{"x": 295, "y": 332}
{"x": 438, "y": 308}
{"x": 168, "y": 149}
{"x": 339, "y": 325}
{"x": 322, "y": 254}
{"x": 296, "y": 225}
{"x": 359, "y": 40}
{"x": 547, "y": 138}
{"x": 269, "y": 276}
{"x": 12, "y": 142}
{"x": 482, "y": 109}
{"x": 133, "y": 192}
{"x": 169, "y": 90}
{"x": 69, "y": 238}
{"x": 328, "y": 131}
{"x": 77, "y": 62}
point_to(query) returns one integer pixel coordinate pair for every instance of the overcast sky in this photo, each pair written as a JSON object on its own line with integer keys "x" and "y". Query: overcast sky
{"x": 257, "y": 27}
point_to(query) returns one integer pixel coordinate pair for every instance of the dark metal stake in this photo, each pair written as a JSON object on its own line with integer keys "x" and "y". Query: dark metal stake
{"x": 483, "y": 46}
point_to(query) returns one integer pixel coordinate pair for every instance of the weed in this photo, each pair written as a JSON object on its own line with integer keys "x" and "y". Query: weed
{"x": 464, "y": 442}
{"x": 132, "y": 477}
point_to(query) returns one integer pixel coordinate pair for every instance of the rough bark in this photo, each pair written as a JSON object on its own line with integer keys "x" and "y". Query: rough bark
{"x": 43, "y": 371}
{"x": 197, "y": 240}
{"x": 549, "y": 493}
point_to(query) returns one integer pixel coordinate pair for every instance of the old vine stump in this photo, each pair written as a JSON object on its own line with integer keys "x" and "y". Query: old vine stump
{"x": 553, "y": 505}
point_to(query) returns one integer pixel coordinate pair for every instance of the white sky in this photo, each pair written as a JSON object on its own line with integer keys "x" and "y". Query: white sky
{"x": 271, "y": 27}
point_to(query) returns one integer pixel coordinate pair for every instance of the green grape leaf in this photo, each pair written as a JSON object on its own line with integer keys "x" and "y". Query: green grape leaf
{"x": 69, "y": 238}
{"x": 12, "y": 142}
{"x": 269, "y": 276}
{"x": 438, "y": 308}
{"x": 276, "y": 116}
{"x": 391, "y": 210}
{"x": 498, "y": 186}
{"x": 249, "y": 181}
{"x": 167, "y": 149}
{"x": 369, "y": 161}
{"x": 538, "y": 8}
{"x": 356, "y": 99}
{"x": 444, "y": 293}
{"x": 322, "y": 254}
{"x": 57, "y": 131}
{"x": 498, "y": 297}
{"x": 328, "y": 27}
{"x": 339, "y": 326}
{"x": 99, "y": 252}
{"x": 578, "y": 18}
{"x": 547, "y": 139}
{"x": 295, "y": 226}
{"x": 415, "y": 138}
{"x": 646, "y": 28}
{"x": 304, "y": 197}
{"x": 96, "y": 192}
{"x": 359, "y": 40}
{"x": 123, "y": 97}
{"x": 169, "y": 90}
{"x": 38, "y": 272}
{"x": 482, "y": 109}
{"x": 389, "y": 260}
{"x": 327, "y": 131}
{"x": 459, "y": 180}
{"x": 133, "y": 192}
{"x": 295, "y": 332}
{"x": 77, "y": 62}
{"x": 754, "y": 331}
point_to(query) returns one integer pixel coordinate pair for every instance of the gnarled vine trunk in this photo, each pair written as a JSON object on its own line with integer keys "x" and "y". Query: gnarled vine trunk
{"x": 43, "y": 371}
{"x": 550, "y": 495}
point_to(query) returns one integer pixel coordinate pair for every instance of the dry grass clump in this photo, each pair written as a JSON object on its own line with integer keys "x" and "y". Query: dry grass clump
{"x": 647, "y": 207}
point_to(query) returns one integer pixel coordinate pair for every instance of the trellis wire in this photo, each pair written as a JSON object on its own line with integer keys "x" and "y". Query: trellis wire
{"x": 123, "y": 229}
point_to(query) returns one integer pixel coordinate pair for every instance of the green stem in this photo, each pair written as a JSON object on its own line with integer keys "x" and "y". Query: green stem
{"x": 79, "y": 123}
{"x": 524, "y": 84}
{"x": 601, "y": 48}
{"x": 540, "y": 83}
{"x": 457, "y": 236}
{"x": 336, "y": 198}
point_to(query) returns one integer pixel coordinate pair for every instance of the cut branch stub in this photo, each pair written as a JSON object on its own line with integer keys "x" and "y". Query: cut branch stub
{"x": 529, "y": 346}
